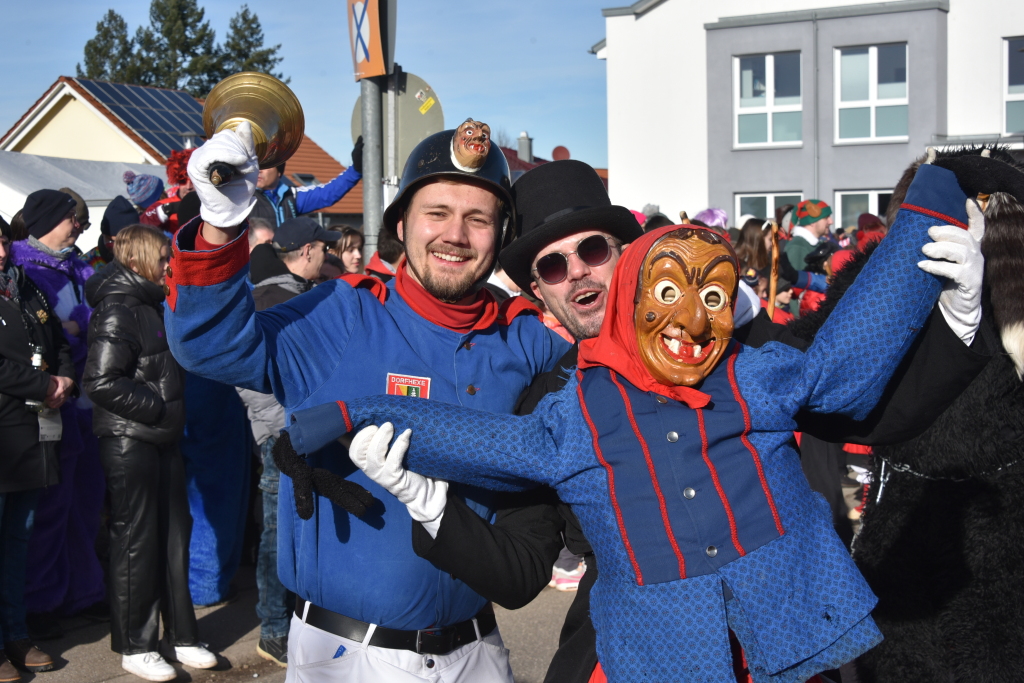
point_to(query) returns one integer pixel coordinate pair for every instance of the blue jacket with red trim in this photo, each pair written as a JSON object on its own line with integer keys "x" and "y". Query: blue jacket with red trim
{"x": 702, "y": 518}
{"x": 339, "y": 342}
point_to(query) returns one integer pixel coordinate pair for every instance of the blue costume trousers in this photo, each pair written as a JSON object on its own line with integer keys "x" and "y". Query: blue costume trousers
{"x": 216, "y": 449}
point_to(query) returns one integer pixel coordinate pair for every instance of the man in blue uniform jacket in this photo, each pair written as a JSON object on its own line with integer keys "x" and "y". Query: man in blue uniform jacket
{"x": 368, "y": 608}
{"x": 672, "y": 446}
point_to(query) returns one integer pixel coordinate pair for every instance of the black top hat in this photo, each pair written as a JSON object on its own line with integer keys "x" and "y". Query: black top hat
{"x": 554, "y": 201}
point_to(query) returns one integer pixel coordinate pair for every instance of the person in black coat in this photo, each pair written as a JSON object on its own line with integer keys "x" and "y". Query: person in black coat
{"x": 138, "y": 390}
{"x": 27, "y": 463}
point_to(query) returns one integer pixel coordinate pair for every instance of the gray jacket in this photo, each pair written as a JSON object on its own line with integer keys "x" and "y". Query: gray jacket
{"x": 273, "y": 283}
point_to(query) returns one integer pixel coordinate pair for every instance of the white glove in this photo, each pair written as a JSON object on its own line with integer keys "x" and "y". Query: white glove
{"x": 424, "y": 497}
{"x": 228, "y": 205}
{"x": 956, "y": 255}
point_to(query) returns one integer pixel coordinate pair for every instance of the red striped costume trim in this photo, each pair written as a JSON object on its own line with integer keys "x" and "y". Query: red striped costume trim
{"x": 344, "y": 414}
{"x": 934, "y": 214}
{"x": 654, "y": 477}
{"x": 611, "y": 481}
{"x": 750, "y": 446}
{"x": 718, "y": 484}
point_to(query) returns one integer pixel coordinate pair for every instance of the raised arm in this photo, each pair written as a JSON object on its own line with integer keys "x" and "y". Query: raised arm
{"x": 886, "y": 306}
{"x": 500, "y": 452}
{"x": 212, "y": 325}
{"x": 878, "y": 317}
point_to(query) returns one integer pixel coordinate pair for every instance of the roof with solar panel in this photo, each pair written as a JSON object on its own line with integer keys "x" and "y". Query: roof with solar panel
{"x": 81, "y": 118}
{"x": 166, "y": 119}
{"x": 152, "y": 121}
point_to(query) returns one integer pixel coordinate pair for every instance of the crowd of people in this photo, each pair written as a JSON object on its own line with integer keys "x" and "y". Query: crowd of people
{"x": 110, "y": 476}
{"x": 214, "y": 329}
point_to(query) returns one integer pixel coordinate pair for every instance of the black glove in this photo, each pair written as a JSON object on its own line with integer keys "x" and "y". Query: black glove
{"x": 345, "y": 494}
{"x": 981, "y": 175}
{"x": 357, "y": 155}
{"x": 816, "y": 259}
{"x": 171, "y": 208}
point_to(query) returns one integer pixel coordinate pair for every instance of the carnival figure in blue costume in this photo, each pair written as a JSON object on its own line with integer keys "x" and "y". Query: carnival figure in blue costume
{"x": 672, "y": 444}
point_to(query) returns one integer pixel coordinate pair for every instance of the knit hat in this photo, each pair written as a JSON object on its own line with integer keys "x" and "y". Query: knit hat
{"x": 143, "y": 189}
{"x": 119, "y": 215}
{"x": 81, "y": 210}
{"x": 750, "y": 277}
{"x": 811, "y": 211}
{"x": 44, "y": 209}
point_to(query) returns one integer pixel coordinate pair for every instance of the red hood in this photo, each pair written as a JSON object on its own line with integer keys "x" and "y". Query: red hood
{"x": 615, "y": 347}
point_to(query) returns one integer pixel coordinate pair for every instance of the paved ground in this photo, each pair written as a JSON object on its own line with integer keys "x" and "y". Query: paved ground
{"x": 531, "y": 633}
{"x": 83, "y": 655}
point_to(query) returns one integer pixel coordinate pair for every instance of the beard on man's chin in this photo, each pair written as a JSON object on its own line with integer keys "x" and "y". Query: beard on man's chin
{"x": 447, "y": 289}
{"x": 582, "y": 325}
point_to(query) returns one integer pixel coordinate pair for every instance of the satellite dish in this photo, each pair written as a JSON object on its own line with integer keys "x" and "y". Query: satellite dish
{"x": 417, "y": 114}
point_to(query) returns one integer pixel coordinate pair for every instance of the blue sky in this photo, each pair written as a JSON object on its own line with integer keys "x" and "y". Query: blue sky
{"x": 516, "y": 65}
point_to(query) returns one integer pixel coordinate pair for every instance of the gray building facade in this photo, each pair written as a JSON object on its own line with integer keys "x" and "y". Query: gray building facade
{"x": 840, "y": 122}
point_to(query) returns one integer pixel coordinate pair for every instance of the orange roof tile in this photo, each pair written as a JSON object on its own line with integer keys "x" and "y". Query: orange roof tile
{"x": 311, "y": 158}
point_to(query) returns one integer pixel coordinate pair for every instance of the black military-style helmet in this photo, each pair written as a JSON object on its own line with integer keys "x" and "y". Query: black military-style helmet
{"x": 433, "y": 158}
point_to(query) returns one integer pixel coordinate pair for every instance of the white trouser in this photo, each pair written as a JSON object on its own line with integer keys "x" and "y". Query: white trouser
{"x": 311, "y": 659}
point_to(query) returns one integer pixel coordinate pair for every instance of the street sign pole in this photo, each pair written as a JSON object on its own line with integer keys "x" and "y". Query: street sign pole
{"x": 373, "y": 199}
{"x": 391, "y": 170}
{"x": 371, "y": 25}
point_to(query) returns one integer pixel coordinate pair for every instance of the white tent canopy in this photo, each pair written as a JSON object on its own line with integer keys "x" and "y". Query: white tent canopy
{"x": 97, "y": 181}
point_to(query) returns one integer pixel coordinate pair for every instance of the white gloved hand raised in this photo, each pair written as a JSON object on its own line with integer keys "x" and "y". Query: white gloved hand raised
{"x": 228, "y": 205}
{"x": 424, "y": 497}
{"x": 956, "y": 255}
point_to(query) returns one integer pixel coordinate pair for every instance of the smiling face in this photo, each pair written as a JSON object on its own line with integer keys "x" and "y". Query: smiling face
{"x": 471, "y": 144}
{"x": 683, "y": 313}
{"x": 450, "y": 230}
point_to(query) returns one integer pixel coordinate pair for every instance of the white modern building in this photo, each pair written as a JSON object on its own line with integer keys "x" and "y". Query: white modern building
{"x": 749, "y": 105}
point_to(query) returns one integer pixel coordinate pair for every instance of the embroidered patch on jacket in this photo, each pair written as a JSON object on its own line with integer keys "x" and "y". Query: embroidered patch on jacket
{"x": 408, "y": 385}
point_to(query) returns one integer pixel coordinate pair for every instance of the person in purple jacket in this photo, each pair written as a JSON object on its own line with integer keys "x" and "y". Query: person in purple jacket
{"x": 368, "y": 608}
{"x": 66, "y": 576}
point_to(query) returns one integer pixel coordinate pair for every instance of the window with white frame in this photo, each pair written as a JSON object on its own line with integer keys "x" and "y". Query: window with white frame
{"x": 764, "y": 205}
{"x": 850, "y": 205}
{"x": 766, "y": 92}
{"x": 1014, "y": 86}
{"x": 871, "y": 93}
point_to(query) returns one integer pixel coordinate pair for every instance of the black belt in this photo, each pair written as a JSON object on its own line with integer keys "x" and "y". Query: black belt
{"x": 436, "y": 641}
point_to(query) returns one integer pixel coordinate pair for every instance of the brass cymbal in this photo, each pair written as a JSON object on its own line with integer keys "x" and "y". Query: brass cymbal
{"x": 270, "y": 107}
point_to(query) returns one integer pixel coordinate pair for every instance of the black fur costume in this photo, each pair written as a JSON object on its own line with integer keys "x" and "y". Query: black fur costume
{"x": 942, "y": 544}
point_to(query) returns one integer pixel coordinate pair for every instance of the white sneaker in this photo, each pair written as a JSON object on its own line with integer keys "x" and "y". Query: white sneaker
{"x": 196, "y": 656}
{"x": 149, "y": 665}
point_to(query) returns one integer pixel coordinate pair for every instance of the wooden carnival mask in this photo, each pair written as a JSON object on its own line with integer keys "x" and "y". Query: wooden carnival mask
{"x": 684, "y": 307}
{"x": 470, "y": 145}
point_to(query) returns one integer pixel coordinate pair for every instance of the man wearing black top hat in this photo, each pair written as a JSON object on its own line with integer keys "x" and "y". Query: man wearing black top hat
{"x": 570, "y": 237}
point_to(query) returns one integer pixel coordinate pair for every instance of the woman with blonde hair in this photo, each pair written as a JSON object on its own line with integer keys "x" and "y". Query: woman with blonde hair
{"x": 350, "y": 250}
{"x": 138, "y": 390}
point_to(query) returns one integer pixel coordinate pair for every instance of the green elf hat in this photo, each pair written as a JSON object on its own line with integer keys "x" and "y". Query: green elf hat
{"x": 810, "y": 211}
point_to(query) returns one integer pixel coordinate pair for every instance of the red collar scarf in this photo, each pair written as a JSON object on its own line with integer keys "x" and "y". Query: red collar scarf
{"x": 479, "y": 315}
{"x": 615, "y": 347}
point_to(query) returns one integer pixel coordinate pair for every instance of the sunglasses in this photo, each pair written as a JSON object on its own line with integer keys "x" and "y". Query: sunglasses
{"x": 554, "y": 267}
